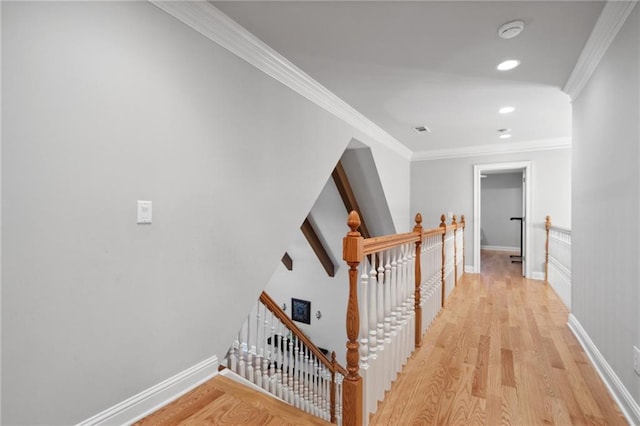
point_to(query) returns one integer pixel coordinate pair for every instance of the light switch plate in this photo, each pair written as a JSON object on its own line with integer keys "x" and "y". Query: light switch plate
{"x": 144, "y": 212}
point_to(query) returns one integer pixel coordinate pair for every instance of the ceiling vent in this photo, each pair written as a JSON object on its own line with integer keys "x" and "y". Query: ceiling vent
{"x": 422, "y": 129}
{"x": 510, "y": 29}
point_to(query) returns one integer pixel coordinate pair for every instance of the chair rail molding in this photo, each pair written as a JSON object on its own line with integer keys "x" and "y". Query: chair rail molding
{"x": 212, "y": 23}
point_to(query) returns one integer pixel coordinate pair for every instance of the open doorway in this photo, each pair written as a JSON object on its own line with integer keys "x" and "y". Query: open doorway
{"x": 503, "y": 224}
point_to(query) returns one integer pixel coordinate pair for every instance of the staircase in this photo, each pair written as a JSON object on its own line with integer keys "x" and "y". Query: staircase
{"x": 275, "y": 374}
{"x": 275, "y": 355}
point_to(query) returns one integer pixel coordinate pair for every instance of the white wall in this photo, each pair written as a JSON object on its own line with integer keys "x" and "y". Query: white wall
{"x": 309, "y": 281}
{"x": 605, "y": 204}
{"x": 439, "y": 186}
{"x": 365, "y": 182}
{"x": 501, "y": 199}
{"x": 108, "y": 103}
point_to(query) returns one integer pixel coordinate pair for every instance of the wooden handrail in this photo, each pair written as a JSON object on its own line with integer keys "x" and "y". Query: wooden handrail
{"x": 376, "y": 244}
{"x": 433, "y": 231}
{"x": 272, "y": 306}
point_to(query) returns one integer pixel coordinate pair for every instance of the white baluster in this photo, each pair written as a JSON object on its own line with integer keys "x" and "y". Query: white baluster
{"x": 380, "y": 303}
{"x": 251, "y": 350}
{"x": 387, "y": 320}
{"x": 364, "y": 319}
{"x": 291, "y": 371}
{"x": 372, "y": 314}
{"x": 394, "y": 314}
{"x": 284, "y": 346}
{"x": 279, "y": 357}
{"x": 296, "y": 373}
{"x": 257, "y": 374}
{"x": 305, "y": 378}
{"x": 241, "y": 353}
{"x": 273, "y": 357}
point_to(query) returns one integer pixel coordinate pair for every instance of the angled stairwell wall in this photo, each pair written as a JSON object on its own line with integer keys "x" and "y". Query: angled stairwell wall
{"x": 108, "y": 103}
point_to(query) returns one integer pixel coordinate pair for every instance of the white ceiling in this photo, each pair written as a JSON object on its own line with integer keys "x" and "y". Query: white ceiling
{"x": 404, "y": 64}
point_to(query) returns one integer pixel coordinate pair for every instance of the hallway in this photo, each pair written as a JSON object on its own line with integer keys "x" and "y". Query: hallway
{"x": 499, "y": 353}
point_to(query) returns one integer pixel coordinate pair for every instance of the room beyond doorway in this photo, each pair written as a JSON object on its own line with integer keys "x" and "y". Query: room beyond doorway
{"x": 481, "y": 171}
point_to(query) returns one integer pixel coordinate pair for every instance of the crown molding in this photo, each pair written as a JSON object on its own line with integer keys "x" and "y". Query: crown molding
{"x": 613, "y": 15}
{"x": 493, "y": 149}
{"x": 209, "y": 21}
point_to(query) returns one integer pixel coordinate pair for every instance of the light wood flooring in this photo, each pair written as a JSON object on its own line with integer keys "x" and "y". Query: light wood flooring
{"x": 222, "y": 401}
{"x": 499, "y": 353}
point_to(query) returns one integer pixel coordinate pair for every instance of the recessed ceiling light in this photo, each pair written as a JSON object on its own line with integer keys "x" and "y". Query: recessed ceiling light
{"x": 507, "y": 65}
{"x": 504, "y": 130}
{"x": 506, "y": 110}
{"x": 505, "y": 136}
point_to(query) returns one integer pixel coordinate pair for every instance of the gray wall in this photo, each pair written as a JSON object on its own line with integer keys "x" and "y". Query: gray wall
{"x": 309, "y": 281}
{"x": 108, "y": 103}
{"x": 501, "y": 199}
{"x": 606, "y": 195}
{"x": 439, "y": 186}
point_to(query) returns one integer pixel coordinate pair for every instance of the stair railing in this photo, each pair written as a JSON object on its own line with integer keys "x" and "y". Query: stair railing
{"x": 274, "y": 354}
{"x": 557, "y": 270}
{"x": 397, "y": 285}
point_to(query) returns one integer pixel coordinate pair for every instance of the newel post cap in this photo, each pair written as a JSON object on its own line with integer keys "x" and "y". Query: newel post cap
{"x": 353, "y": 243}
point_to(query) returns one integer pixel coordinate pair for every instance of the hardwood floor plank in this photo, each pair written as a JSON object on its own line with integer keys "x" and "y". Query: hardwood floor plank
{"x": 510, "y": 414}
{"x": 560, "y": 413}
{"x": 479, "y": 386}
{"x": 506, "y": 364}
{"x": 552, "y": 353}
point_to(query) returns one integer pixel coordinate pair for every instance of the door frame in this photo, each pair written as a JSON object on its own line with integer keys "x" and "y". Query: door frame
{"x": 478, "y": 169}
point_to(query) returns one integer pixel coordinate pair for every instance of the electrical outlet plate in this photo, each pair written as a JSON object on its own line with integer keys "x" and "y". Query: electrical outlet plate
{"x": 636, "y": 360}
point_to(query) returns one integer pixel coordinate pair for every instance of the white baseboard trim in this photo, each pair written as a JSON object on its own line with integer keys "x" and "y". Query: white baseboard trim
{"x": 469, "y": 269}
{"x": 537, "y": 275}
{"x": 238, "y": 378}
{"x": 618, "y": 391}
{"x": 157, "y": 396}
{"x": 501, "y": 248}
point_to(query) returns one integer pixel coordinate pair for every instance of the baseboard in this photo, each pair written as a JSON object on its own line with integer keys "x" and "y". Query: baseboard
{"x": 501, "y": 248}
{"x": 238, "y": 378}
{"x": 536, "y": 275}
{"x": 618, "y": 391}
{"x": 152, "y": 399}
{"x": 468, "y": 269}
